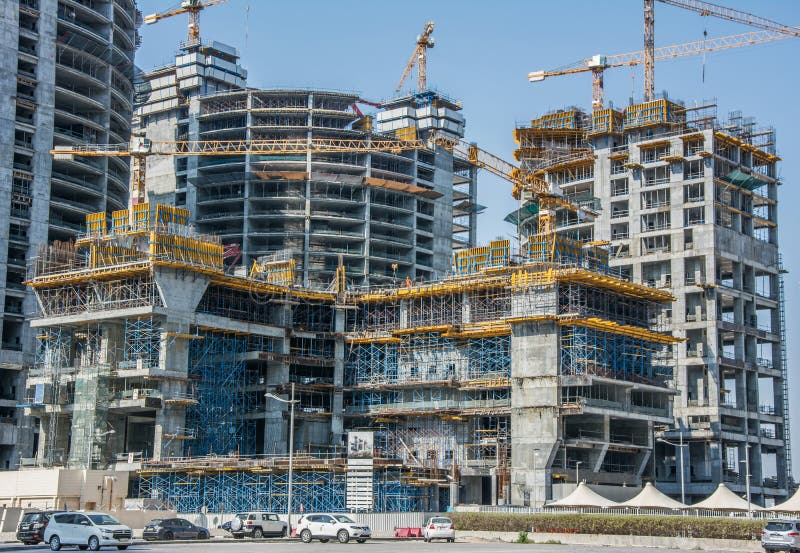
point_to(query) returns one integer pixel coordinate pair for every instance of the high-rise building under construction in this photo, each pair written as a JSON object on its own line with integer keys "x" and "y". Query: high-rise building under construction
{"x": 387, "y": 215}
{"x": 688, "y": 203}
{"x": 66, "y": 71}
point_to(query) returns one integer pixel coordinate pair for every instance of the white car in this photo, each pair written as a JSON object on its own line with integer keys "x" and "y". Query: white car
{"x": 87, "y": 531}
{"x": 439, "y": 528}
{"x": 326, "y": 526}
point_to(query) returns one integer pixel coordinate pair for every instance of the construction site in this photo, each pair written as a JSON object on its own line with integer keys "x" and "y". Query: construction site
{"x": 293, "y": 312}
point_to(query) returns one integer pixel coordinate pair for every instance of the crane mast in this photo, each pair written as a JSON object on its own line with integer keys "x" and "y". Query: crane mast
{"x": 419, "y": 58}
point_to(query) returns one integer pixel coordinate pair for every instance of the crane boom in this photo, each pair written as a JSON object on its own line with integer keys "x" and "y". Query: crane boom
{"x": 730, "y": 14}
{"x": 419, "y": 57}
{"x": 193, "y": 8}
{"x": 599, "y": 63}
{"x": 526, "y": 186}
{"x": 144, "y": 147}
{"x": 141, "y": 148}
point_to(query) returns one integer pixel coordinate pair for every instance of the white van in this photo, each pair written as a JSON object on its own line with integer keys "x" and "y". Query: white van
{"x": 87, "y": 531}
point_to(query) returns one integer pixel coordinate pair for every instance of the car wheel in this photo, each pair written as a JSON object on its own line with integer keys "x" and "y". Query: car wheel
{"x": 361, "y": 540}
{"x": 343, "y": 536}
{"x": 283, "y": 532}
{"x": 305, "y": 536}
{"x": 202, "y": 535}
{"x": 94, "y": 543}
{"x": 324, "y": 540}
{"x": 451, "y": 540}
{"x": 122, "y": 547}
{"x": 258, "y": 534}
{"x": 426, "y": 540}
{"x": 55, "y": 543}
{"x": 169, "y": 536}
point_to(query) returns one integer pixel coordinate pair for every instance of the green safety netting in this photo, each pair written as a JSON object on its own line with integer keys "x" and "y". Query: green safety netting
{"x": 524, "y": 213}
{"x": 743, "y": 180}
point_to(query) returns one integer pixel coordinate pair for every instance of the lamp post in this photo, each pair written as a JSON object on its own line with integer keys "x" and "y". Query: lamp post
{"x": 578, "y": 472}
{"x": 535, "y": 478}
{"x": 746, "y": 462}
{"x": 291, "y": 403}
{"x": 679, "y": 448}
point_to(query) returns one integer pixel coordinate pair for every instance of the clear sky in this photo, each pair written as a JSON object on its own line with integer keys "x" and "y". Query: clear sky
{"x": 484, "y": 51}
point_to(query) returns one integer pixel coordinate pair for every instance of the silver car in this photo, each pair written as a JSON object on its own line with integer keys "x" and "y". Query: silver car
{"x": 439, "y": 528}
{"x": 781, "y": 535}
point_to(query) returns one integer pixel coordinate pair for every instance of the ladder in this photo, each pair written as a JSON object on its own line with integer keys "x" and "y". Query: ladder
{"x": 787, "y": 432}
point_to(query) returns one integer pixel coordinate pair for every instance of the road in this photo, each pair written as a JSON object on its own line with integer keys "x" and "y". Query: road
{"x": 377, "y": 546}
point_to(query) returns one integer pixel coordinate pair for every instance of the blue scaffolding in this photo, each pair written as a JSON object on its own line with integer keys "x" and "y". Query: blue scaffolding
{"x": 252, "y": 490}
{"x": 217, "y": 364}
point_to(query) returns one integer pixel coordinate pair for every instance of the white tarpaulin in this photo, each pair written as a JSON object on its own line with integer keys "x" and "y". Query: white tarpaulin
{"x": 723, "y": 499}
{"x": 583, "y": 496}
{"x": 791, "y": 505}
{"x": 651, "y": 498}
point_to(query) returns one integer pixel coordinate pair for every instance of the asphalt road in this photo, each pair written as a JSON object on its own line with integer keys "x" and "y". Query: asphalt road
{"x": 377, "y": 546}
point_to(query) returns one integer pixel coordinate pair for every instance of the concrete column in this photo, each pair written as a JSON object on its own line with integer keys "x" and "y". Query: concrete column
{"x": 535, "y": 421}
{"x": 337, "y": 402}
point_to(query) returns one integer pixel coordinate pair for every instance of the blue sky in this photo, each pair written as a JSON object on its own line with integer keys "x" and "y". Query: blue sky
{"x": 484, "y": 51}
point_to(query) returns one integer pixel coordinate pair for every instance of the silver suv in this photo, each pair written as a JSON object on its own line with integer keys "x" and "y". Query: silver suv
{"x": 781, "y": 535}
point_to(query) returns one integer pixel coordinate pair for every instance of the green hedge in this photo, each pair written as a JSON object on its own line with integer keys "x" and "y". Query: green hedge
{"x": 668, "y": 526}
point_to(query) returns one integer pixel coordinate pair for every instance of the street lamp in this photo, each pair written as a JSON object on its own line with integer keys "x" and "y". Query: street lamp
{"x": 578, "y": 472}
{"x": 679, "y": 448}
{"x": 92, "y": 443}
{"x": 291, "y": 402}
{"x": 746, "y": 462}
{"x": 535, "y": 478}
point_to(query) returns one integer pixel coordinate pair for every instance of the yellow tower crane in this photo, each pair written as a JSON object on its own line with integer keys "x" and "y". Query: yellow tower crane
{"x": 419, "y": 57}
{"x": 141, "y": 148}
{"x": 527, "y": 187}
{"x": 193, "y": 8}
{"x": 598, "y": 64}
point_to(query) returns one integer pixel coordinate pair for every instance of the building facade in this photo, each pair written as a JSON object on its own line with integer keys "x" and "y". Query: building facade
{"x": 484, "y": 387}
{"x": 688, "y": 203}
{"x": 66, "y": 72}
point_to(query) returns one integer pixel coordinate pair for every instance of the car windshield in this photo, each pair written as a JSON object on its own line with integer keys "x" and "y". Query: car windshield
{"x": 33, "y": 517}
{"x": 779, "y": 526}
{"x": 344, "y": 519}
{"x": 441, "y": 520}
{"x": 103, "y": 520}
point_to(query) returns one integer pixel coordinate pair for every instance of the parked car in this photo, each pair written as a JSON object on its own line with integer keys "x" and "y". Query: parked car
{"x": 781, "y": 535}
{"x": 30, "y": 529}
{"x": 326, "y": 526}
{"x": 173, "y": 529}
{"x": 255, "y": 524}
{"x": 439, "y": 528}
{"x": 87, "y": 531}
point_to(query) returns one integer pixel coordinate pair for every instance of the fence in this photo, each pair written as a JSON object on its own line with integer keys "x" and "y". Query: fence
{"x": 622, "y": 511}
{"x": 381, "y": 524}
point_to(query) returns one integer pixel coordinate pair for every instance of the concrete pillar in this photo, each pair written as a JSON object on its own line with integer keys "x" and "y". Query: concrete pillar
{"x": 337, "y": 402}
{"x": 535, "y": 421}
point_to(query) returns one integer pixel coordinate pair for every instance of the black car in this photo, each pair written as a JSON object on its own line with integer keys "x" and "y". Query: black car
{"x": 30, "y": 529}
{"x": 173, "y": 529}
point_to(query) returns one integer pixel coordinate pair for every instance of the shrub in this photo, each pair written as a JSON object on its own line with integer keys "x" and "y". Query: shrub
{"x": 522, "y": 537}
{"x": 634, "y": 525}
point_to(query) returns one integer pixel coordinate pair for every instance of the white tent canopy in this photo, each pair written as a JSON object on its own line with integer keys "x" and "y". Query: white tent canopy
{"x": 723, "y": 499}
{"x": 651, "y": 498}
{"x": 791, "y": 505}
{"x": 583, "y": 496}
